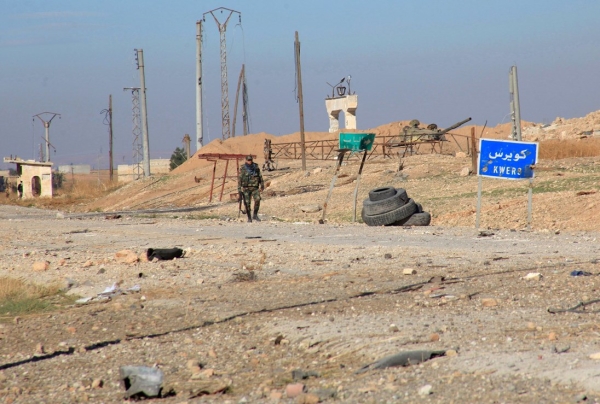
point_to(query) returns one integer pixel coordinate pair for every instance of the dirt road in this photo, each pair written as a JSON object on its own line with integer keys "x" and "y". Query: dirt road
{"x": 253, "y": 302}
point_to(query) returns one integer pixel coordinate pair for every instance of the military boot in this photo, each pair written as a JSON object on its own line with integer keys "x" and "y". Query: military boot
{"x": 255, "y": 216}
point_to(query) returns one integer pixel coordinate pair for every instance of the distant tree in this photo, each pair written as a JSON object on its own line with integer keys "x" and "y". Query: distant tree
{"x": 12, "y": 172}
{"x": 177, "y": 158}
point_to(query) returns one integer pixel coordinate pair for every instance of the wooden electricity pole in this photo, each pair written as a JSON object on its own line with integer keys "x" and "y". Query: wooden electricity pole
{"x": 300, "y": 100}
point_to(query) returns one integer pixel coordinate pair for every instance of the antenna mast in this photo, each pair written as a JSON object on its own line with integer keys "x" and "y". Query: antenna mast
{"x": 47, "y": 127}
{"x": 226, "y": 133}
{"x": 136, "y": 167}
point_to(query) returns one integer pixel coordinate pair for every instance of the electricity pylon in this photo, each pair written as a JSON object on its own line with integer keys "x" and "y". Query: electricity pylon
{"x": 226, "y": 133}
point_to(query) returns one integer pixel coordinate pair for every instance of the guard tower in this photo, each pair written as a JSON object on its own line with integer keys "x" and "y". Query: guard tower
{"x": 341, "y": 100}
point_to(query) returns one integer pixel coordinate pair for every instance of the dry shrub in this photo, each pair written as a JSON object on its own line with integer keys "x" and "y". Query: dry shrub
{"x": 14, "y": 288}
{"x": 81, "y": 190}
{"x": 560, "y": 149}
{"x": 18, "y": 297}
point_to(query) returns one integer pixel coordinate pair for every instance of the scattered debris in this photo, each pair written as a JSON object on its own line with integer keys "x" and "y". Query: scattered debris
{"x": 126, "y": 257}
{"x": 426, "y": 390}
{"x": 108, "y": 293}
{"x": 580, "y": 273}
{"x": 141, "y": 381}
{"x": 210, "y": 387}
{"x": 299, "y": 374}
{"x": 489, "y": 302}
{"x": 577, "y": 306}
{"x": 409, "y": 271}
{"x": 402, "y": 359}
{"x": 244, "y": 276}
{"x": 41, "y": 266}
{"x": 311, "y": 208}
{"x": 112, "y": 217}
{"x": 294, "y": 390}
{"x": 533, "y": 276}
{"x": 164, "y": 253}
{"x": 560, "y": 350}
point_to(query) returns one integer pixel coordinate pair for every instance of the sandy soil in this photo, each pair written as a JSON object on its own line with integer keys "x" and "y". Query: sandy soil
{"x": 325, "y": 298}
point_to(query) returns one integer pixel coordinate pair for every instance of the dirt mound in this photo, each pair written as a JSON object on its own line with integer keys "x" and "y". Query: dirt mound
{"x": 431, "y": 179}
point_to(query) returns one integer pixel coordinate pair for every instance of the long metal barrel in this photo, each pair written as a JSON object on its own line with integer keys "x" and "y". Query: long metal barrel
{"x": 456, "y": 125}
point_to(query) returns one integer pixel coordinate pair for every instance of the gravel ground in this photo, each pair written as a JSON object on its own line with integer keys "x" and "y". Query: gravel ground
{"x": 251, "y": 302}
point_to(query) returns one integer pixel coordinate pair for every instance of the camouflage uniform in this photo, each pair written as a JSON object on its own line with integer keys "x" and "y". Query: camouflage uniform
{"x": 249, "y": 182}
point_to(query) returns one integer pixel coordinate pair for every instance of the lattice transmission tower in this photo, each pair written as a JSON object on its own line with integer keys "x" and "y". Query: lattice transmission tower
{"x": 226, "y": 133}
{"x": 137, "y": 170}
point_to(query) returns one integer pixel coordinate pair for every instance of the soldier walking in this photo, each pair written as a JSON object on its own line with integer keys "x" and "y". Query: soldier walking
{"x": 249, "y": 181}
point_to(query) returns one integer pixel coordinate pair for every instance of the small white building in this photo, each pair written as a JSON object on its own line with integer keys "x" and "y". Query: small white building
{"x": 35, "y": 175}
{"x": 75, "y": 169}
{"x": 127, "y": 173}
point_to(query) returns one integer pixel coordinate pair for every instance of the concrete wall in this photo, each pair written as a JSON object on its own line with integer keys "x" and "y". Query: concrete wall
{"x": 33, "y": 175}
{"x": 75, "y": 169}
{"x": 157, "y": 167}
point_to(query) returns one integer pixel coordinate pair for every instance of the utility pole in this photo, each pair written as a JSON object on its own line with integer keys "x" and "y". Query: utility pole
{"x": 515, "y": 107}
{"x": 108, "y": 121}
{"x": 199, "y": 129}
{"x": 226, "y": 133}
{"x": 241, "y": 82}
{"x": 47, "y": 127}
{"x": 300, "y": 100}
{"x": 145, "y": 141}
{"x": 110, "y": 139}
{"x": 186, "y": 143}
{"x": 245, "y": 122}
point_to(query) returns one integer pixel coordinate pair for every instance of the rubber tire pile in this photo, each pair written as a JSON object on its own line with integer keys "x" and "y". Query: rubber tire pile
{"x": 389, "y": 206}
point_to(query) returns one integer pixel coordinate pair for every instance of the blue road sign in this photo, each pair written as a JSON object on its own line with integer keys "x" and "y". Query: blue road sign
{"x": 506, "y": 159}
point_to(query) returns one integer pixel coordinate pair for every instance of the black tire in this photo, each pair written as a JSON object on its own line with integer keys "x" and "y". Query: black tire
{"x": 392, "y": 216}
{"x": 419, "y": 208}
{"x": 416, "y": 219}
{"x": 386, "y": 205}
{"x": 378, "y": 194}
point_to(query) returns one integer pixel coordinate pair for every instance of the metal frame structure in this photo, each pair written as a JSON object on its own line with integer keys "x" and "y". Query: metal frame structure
{"x": 136, "y": 164}
{"x": 383, "y": 146}
{"x": 215, "y": 158}
{"x": 226, "y": 133}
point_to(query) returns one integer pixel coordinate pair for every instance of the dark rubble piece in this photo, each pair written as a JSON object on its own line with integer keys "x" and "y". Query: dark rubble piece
{"x": 141, "y": 381}
{"x": 299, "y": 374}
{"x": 581, "y": 273}
{"x": 402, "y": 359}
{"x": 164, "y": 253}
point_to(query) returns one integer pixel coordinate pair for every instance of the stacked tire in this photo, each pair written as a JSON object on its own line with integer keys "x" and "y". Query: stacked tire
{"x": 389, "y": 206}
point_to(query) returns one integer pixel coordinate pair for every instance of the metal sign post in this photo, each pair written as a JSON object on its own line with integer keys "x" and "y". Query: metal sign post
{"x": 509, "y": 160}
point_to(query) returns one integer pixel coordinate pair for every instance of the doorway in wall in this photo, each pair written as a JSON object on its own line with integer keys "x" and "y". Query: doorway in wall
{"x": 36, "y": 186}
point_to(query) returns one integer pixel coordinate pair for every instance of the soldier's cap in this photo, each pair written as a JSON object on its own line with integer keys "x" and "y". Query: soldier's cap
{"x": 249, "y": 158}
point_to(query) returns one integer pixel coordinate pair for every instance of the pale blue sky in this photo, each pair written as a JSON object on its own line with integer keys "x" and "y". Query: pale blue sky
{"x": 437, "y": 61}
